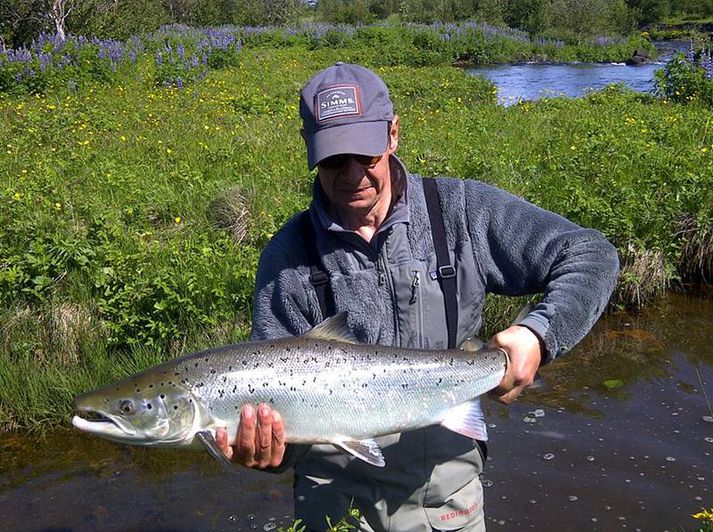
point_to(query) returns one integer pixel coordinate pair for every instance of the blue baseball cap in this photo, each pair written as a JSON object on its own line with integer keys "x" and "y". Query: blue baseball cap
{"x": 345, "y": 109}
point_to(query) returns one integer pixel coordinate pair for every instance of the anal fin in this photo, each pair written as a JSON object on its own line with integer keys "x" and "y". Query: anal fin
{"x": 467, "y": 419}
{"x": 367, "y": 450}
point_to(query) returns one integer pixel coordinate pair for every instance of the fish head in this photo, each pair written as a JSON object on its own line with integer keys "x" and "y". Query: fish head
{"x": 138, "y": 411}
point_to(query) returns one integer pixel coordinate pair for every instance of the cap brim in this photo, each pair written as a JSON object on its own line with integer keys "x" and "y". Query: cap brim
{"x": 365, "y": 138}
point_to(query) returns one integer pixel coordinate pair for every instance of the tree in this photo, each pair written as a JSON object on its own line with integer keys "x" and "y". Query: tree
{"x": 528, "y": 15}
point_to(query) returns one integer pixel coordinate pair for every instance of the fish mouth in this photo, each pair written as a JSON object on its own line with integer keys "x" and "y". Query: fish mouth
{"x": 104, "y": 425}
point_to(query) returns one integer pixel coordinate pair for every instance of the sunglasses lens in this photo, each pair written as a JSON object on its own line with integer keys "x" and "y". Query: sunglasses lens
{"x": 339, "y": 161}
{"x": 335, "y": 161}
{"x": 368, "y": 160}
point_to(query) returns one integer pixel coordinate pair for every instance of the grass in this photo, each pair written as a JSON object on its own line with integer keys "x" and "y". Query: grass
{"x": 134, "y": 214}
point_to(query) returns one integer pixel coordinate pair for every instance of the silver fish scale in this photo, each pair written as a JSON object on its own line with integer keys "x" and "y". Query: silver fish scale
{"x": 324, "y": 389}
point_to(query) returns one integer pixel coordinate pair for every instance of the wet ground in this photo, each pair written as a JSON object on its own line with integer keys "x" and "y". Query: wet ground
{"x": 620, "y": 438}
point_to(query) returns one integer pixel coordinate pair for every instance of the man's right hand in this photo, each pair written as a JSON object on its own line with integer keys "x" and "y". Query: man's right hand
{"x": 257, "y": 445}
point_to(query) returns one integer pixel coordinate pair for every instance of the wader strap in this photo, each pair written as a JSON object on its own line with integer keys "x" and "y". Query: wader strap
{"x": 446, "y": 272}
{"x": 317, "y": 276}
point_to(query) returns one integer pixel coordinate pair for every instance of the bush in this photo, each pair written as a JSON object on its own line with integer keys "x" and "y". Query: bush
{"x": 687, "y": 78}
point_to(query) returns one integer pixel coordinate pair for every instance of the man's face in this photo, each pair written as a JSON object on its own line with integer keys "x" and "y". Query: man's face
{"x": 356, "y": 187}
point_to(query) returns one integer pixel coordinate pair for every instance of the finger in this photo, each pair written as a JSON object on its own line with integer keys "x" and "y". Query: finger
{"x": 221, "y": 438}
{"x": 278, "y": 439}
{"x": 509, "y": 397}
{"x": 245, "y": 448}
{"x": 263, "y": 436}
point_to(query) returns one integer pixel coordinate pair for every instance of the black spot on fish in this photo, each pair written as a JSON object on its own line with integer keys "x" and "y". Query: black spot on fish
{"x": 212, "y": 372}
{"x": 404, "y": 386}
{"x": 440, "y": 380}
{"x": 245, "y": 362}
{"x": 225, "y": 379}
{"x": 287, "y": 349}
{"x": 363, "y": 385}
{"x": 149, "y": 406}
{"x": 272, "y": 346}
{"x": 175, "y": 407}
{"x": 150, "y": 386}
{"x": 206, "y": 359}
{"x": 195, "y": 365}
{"x": 271, "y": 401}
{"x": 284, "y": 359}
{"x": 235, "y": 388}
{"x": 162, "y": 396}
{"x": 264, "y": 385}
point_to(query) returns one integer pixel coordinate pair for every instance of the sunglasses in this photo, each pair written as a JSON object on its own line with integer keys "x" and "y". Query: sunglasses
{"x": 336, "y": 162}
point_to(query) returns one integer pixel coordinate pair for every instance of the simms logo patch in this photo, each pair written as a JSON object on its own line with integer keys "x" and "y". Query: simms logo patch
{"x": 338, "y": 101}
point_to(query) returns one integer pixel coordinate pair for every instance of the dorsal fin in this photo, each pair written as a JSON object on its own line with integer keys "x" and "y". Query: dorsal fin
{"x": 334, "y": 328}
{"x": 471, "y": 344}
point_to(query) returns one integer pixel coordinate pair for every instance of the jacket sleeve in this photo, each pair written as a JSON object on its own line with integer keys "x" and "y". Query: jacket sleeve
{"x": 280, "y": 309}
{"x": 523, "y": 249}
{"x": 281, "y": 304}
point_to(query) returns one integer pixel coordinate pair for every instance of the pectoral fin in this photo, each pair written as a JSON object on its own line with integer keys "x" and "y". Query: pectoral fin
{"x": 208, "y": 441}
{"x": 367, "y": 450}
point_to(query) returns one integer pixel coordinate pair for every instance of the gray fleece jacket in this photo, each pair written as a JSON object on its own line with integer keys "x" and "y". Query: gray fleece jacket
{"x": 498, "y": 243}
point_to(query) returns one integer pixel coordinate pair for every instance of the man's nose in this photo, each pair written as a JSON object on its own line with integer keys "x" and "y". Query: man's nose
{"x": 352, "y": 171}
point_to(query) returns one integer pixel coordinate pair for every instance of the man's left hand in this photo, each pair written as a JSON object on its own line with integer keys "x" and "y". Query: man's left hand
{"x": 525, "y": 353}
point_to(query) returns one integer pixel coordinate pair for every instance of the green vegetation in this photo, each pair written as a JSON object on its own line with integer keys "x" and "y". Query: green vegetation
{"x": 23, "y": 20}
{"x": 135, "y": 211}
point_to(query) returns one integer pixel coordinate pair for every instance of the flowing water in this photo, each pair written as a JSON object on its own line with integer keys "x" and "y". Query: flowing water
{"x": 620, "y": 438}
{"x": 534, "y": 81}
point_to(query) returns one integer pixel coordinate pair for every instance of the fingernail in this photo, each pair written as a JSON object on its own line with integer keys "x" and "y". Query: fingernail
{"x": 247, "y": 412}
{"x": 264, "y": 411}
{"x": 276, "y": 417}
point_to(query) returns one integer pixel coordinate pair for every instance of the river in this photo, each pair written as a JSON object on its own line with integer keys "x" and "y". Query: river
{"x": 619, "y": 438}
{"x": 527, "y": 81}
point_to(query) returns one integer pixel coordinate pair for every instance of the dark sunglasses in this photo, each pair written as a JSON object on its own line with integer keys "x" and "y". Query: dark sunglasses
{"x": 339, "y": 161}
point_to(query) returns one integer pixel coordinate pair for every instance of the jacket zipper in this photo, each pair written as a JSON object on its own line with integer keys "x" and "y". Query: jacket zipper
{"x": 417, "y": 299}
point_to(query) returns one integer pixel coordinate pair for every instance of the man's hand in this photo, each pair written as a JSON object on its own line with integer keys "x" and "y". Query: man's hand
{"x": 258, "y": 445}
{"x": 525, "y": 353}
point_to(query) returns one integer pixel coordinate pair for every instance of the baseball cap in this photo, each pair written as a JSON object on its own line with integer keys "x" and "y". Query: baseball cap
{"x": 345, "y": 109}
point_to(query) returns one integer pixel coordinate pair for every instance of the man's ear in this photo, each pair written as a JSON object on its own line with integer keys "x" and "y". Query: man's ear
{"x": 394, "y": 134}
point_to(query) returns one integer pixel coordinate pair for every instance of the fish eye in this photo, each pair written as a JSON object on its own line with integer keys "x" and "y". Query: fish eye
{"x": 126, "y": 407}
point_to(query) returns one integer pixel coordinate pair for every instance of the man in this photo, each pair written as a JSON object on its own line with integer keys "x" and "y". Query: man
{"x": 372, "y": 233}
